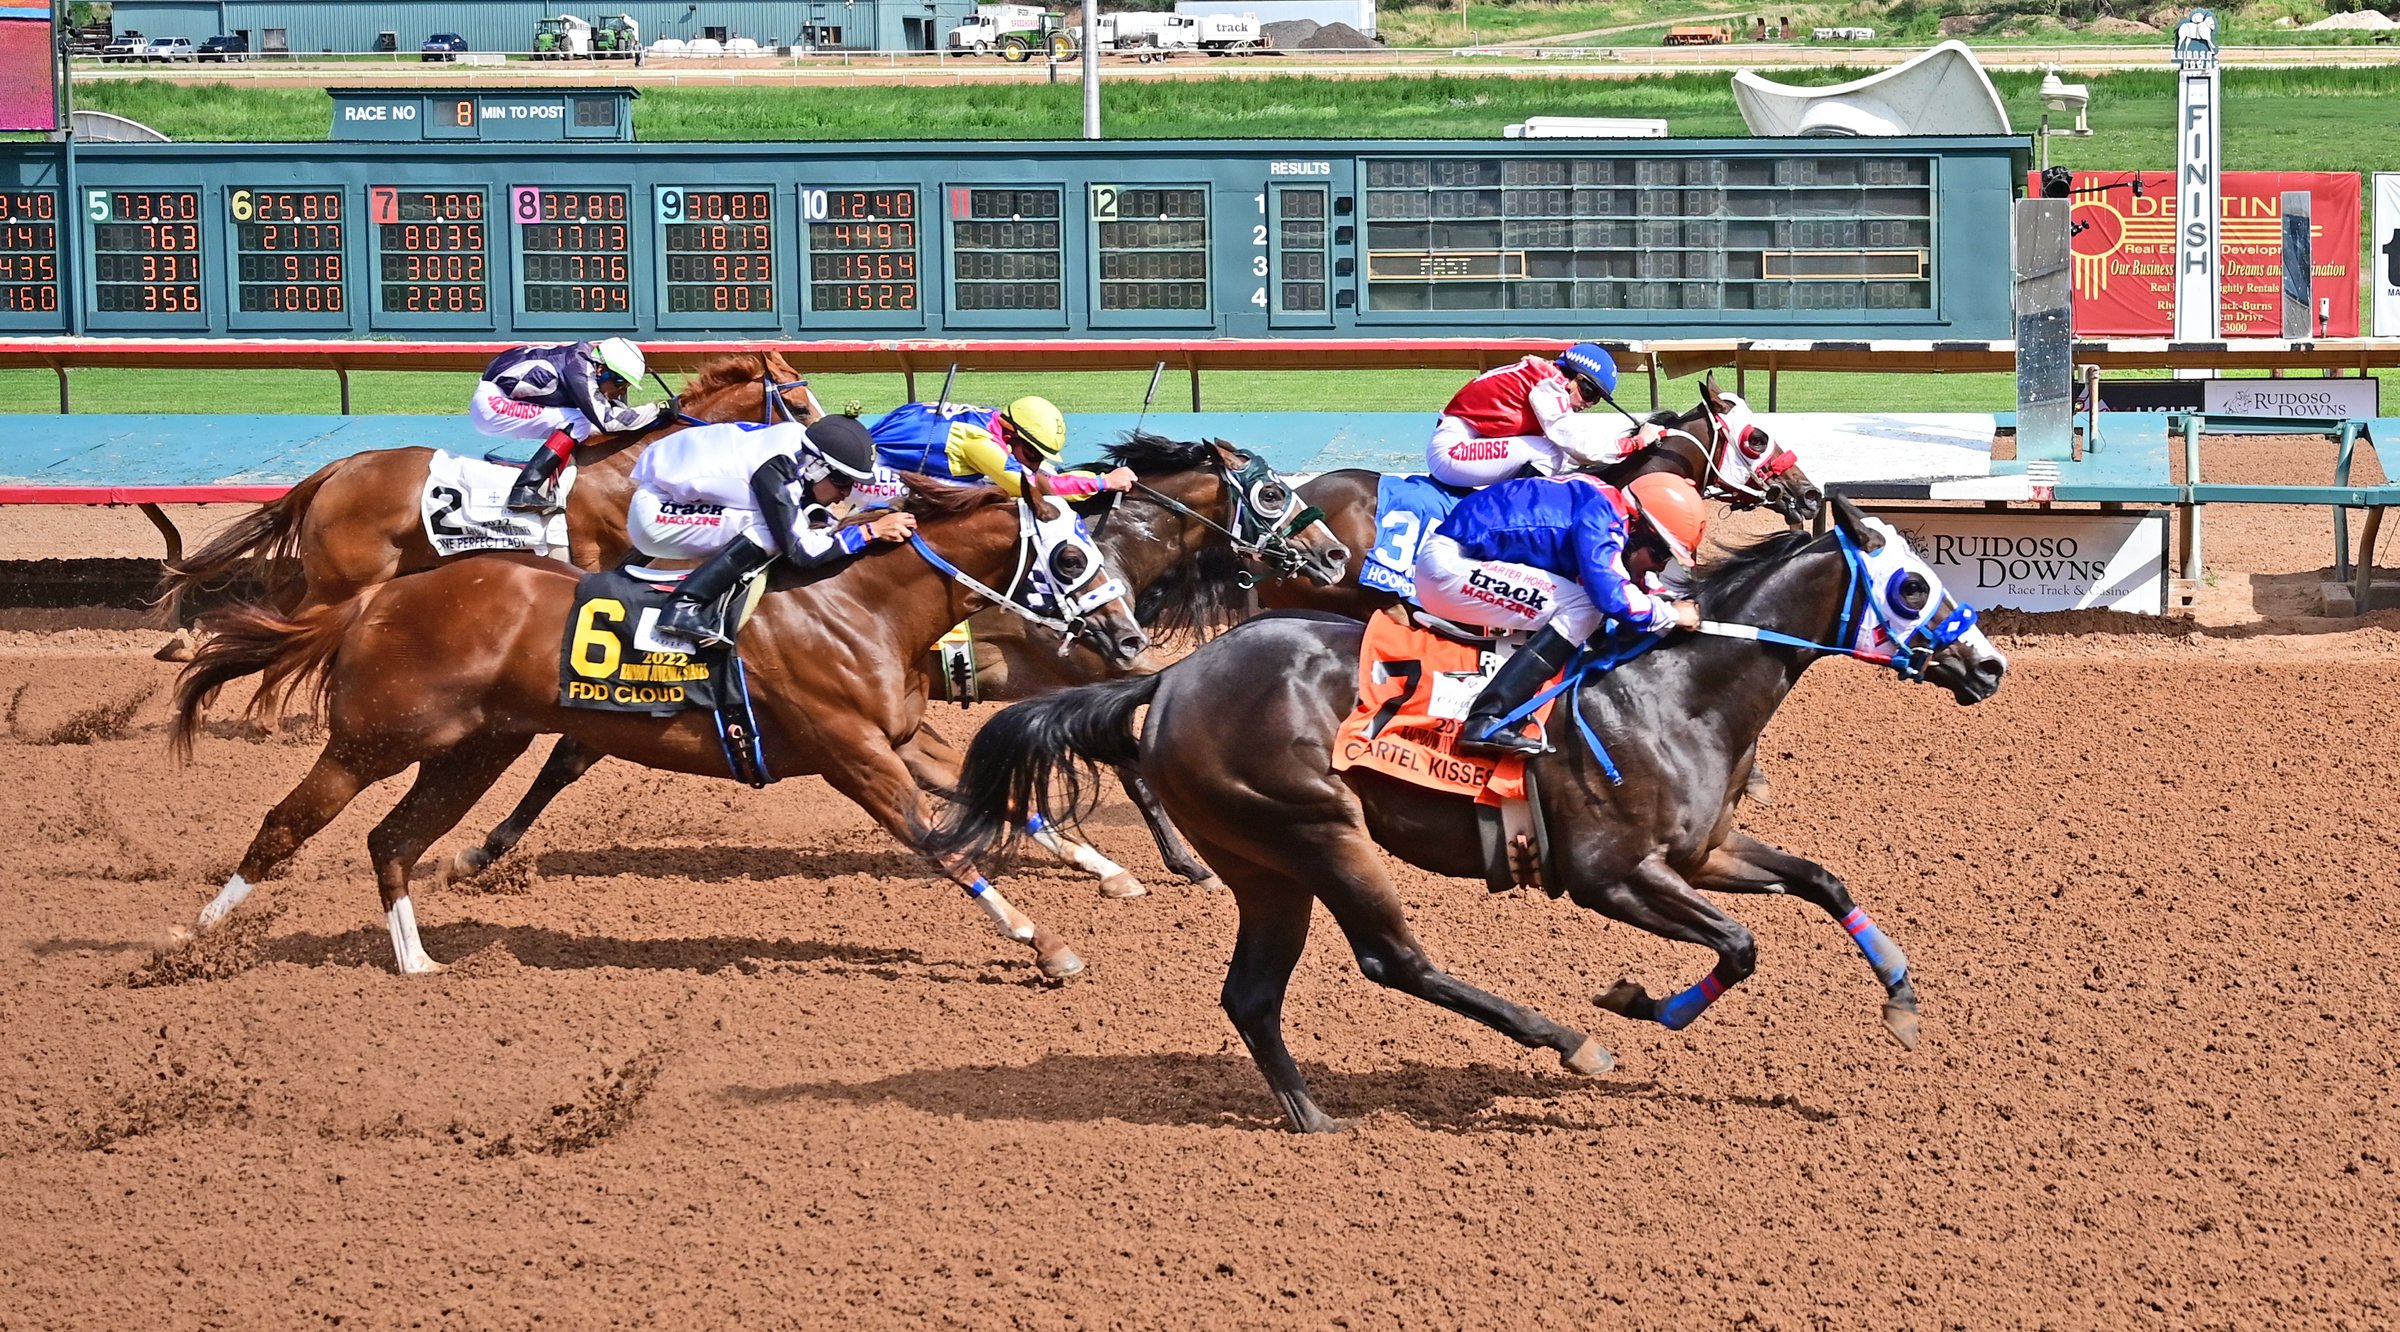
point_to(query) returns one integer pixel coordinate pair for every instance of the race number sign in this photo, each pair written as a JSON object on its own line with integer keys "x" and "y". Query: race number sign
{"x": 2383, "y": 256}
{"x": 2043, "y": 561}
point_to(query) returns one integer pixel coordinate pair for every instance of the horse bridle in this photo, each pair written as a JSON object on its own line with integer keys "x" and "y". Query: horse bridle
{"x": 1076, "y": 594}
{"x": 1262, "y": 529}
{"x": 1766, "y": 463}
{"x": 766, "y": 410}
{"x": 1911, "y": 653}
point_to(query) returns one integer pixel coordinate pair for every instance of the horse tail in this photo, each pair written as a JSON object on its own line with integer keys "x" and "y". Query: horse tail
{"x": 1014, "y": 760}
{"x": 290, "y": 651}
{"x": 269, "y": 534}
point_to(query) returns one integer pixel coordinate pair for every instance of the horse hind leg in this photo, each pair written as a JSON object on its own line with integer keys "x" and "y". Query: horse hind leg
{"x": 1364, "y": 904}
{"x": 447, "y": 786}
{"x": 569, "y": 760}
{"x": 1273, "y": 933}
{"x": 1172, "y": 849}
{"x": 331, "y": 784}
{"x": 1744, "y": 864}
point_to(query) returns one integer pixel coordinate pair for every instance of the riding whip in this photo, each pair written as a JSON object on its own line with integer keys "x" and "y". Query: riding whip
{"x": 1155, "y": 376}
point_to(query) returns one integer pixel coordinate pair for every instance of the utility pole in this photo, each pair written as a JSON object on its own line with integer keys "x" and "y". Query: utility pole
{"x": 1091, "y": 69}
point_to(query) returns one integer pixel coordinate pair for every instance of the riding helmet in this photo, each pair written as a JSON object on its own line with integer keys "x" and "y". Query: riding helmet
{"x": 845, "y": 446}
{"x": 1591, "y": 363}
{"x": 623, "y": 359}
{"x": 1037, "y": 422}
{"x": 1672, "y": 508}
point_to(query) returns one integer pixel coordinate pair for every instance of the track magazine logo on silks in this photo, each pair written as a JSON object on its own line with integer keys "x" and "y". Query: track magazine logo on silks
{"x": 1491, "y": 587}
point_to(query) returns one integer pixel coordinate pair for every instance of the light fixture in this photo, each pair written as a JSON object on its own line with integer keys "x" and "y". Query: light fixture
{"x": 2059, "y": 95}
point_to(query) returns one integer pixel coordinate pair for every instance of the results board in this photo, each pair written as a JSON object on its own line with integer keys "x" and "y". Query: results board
{"x": 1762, "y": 238}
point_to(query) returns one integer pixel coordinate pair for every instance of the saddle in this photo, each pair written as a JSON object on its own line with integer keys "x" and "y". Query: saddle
{"x": 613, "y": 660}
{"x": 1415, "y": 684}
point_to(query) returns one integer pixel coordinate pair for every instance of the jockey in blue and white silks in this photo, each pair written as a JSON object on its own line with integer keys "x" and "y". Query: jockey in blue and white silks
{"x": 559, "y": 395}
{"x": 744, "y": 494}
{"x": 1558, "y": 555}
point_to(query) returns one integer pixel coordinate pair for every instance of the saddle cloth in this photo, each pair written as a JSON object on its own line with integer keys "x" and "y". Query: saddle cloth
{"x": 1414, "y": 688}
{"x": 1407, "y": 510}
{"x": 465, "y": 509}
{"x": 613, "y": 659}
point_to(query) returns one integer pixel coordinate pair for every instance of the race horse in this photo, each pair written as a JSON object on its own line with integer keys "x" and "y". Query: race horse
{"x": 1203, "y": 520}
{"x": 1676, "y": 726}
{"x": 457, "y": 669}
{"x": 1714, "y": 446}
{"x": 358, "y": 521}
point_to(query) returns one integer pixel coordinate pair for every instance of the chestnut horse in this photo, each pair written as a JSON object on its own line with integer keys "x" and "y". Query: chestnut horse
{"x": 1637, "y": 839}
{"x": 456, "y": 669}
{"x": 1710, "y": 445}
{"x": 1185, "y": 538}
{"x": 358, "y": 521}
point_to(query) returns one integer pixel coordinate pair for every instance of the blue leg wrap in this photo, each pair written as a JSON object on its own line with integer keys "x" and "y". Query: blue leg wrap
{"x": 1034, "y": 823}
{"x": 979, "y": 887}
{"x": 1676, "y": 1012}
{"x": 1891, "y": 965}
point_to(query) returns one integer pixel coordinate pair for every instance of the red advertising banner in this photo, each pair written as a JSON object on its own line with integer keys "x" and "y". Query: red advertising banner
{"x": 2125, "y": 252}
{"x": 28, "y": 67}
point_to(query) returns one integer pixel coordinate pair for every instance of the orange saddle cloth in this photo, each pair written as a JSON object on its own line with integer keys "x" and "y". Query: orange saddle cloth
{"x": 1414, "y": 688}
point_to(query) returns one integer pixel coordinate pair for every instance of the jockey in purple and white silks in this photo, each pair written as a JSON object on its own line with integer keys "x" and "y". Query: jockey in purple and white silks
{"x": 1558, "y": 555}
{"x": 1529, "y": 415}
{"x": 744, "y": 494}
{"x": 560, "y": 396}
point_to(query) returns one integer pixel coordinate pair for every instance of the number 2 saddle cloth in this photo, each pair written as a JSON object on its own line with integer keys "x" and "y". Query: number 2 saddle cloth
{"x": 1414, "y": 689}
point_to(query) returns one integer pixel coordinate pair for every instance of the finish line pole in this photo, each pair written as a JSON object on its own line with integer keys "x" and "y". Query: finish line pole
{"x": 1091, "y": 69}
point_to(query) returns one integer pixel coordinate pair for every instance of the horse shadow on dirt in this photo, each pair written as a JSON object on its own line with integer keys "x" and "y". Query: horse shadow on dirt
{"x": 539, "y": 949}
{"x": 732, "y": 864}
{"x": 1181, "y": 1090}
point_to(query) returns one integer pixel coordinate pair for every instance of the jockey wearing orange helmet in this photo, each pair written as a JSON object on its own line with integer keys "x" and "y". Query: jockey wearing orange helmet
{"x": 1558, "y": 555}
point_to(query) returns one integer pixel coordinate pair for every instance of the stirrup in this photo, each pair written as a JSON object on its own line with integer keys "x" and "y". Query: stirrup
{"x": 1512, "y": 742}
{"x": 532, "y": 497}
{"x": 693, "y": 627}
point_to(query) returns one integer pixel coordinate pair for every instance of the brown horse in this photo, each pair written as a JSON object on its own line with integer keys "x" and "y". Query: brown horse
{"x": 1187, "y": 539}
{"x": 357, "y": 521}
{"x": 456, "y": 669}
{"x": 1698, "y": 446}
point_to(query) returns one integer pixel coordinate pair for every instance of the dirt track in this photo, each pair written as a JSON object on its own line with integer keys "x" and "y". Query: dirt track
{"x": 725, "y": 1057}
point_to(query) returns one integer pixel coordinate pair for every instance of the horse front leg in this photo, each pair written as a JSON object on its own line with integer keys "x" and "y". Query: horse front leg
{"x": 1745, "y": 864}
{"x": 1655, "y": 898}
{"x": 866, "y": 767}
{"x": 568, "y": 762}
{"x": 934, "y": 762}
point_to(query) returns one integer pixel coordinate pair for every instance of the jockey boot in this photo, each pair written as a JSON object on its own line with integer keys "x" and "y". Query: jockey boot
{"x": 536, "y": 490}
{"x": 687, "y": 613}
{"x": 1512, "y": 686}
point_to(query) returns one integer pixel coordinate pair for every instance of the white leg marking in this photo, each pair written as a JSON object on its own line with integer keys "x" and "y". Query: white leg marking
{"x": 227, "y": 898}
{"x": 407, "y": 949}
{"x": 1077, "y": 854}
{"x": 1011, "y": 921}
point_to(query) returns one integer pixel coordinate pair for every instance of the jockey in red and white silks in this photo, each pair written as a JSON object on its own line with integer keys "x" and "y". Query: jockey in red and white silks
{"x": 1528, "y": 415}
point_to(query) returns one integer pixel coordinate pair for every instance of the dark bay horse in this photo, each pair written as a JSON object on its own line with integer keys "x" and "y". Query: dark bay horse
{"x": 357, "y": 521}
{"x": 1186, "y": 540}
{"x": 1260, "y": 800}
{"x": 456, "y": 669}
{"x": 1711, "y": 445}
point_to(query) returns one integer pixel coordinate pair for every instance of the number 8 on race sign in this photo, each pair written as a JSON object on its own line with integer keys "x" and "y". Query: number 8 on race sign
{"x": 525, "y": 203}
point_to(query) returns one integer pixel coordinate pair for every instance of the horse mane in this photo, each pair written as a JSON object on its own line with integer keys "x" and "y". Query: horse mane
{"x": 1156, "y": 455}
{"x": 1722, "y": 584}
{"x": 727, "y": 371}
{"x": 930, "y": 497}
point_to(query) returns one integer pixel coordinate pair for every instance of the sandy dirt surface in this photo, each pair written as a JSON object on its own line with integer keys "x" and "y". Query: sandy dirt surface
{"x": 714, "y": 1057}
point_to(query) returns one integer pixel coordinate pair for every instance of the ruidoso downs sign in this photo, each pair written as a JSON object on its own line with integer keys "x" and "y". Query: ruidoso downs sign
{"x": 2044, "y": 561}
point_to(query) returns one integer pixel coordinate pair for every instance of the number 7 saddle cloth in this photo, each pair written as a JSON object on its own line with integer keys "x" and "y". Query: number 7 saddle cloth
{"x": 1414, "y": 689}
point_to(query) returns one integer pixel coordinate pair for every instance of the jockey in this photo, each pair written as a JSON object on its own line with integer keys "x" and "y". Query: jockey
{"x": 1525, "y": 415}
{"x": 1001, "y": 445}
{"x": 559, "y": 395}
{"x": 742, "y": 494}
{"x": 1557, "y": 554}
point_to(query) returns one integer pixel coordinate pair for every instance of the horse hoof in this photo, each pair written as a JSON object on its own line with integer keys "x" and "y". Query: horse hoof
{"x": 1059, "y": 964}
{"x": 1901, "y": 1021}
{"x": 1211, "y": 884}
{"x": 1122, "y": 885}
{"x": 178, "y": 648}
{"x": 428, "y": 967}
{"x": 1589, "y": 1059}
{"x": 465, "y": 865}
{"x": 1626, "y": 999}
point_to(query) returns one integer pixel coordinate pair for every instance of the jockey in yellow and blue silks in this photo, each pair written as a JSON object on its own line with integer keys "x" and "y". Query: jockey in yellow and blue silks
{"x": 1002, "y": 445}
